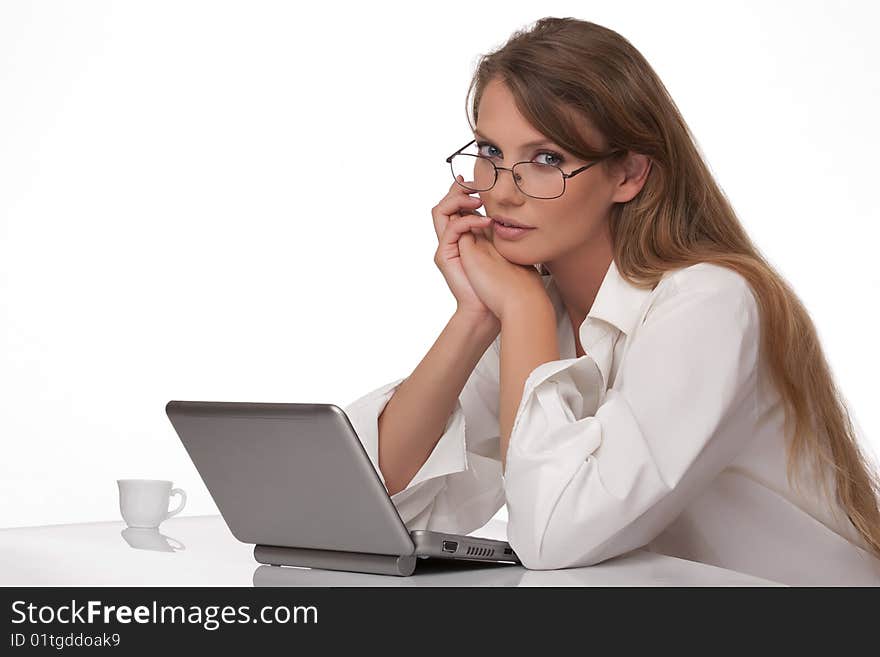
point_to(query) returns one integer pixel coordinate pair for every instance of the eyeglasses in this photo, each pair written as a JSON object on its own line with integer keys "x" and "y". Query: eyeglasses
{"x": 543, "y": 181}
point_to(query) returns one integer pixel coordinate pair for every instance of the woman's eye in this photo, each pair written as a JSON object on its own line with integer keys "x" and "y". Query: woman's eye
{"x": 488, "y": 150}
{"x": 554, "y": 159}
{"x": 481, "y": 146}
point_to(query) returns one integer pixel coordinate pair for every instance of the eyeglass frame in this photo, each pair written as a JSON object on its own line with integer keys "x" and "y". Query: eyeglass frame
{"x": 565, "y": 176}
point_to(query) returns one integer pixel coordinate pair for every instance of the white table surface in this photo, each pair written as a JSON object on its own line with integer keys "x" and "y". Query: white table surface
{"x": 100, "y": 554}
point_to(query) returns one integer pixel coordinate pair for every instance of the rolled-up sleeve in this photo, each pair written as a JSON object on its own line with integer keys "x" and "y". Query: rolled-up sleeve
{"x": 591, "y": 473}
{"x": 458, "y": 488}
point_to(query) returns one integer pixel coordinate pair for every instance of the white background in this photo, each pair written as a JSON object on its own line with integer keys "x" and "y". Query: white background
{"x": 193, "y": 205}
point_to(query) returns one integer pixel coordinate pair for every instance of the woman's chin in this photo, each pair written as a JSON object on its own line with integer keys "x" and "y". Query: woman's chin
{"x": 518, "y": 260}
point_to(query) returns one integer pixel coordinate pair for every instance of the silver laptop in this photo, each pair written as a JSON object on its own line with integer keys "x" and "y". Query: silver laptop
{"x": 296, "y": 481}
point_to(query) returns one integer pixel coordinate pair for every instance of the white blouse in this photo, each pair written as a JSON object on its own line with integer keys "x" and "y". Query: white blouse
{"x": 666, "y": 436}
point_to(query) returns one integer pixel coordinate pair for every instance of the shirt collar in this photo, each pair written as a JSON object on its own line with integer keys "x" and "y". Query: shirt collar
{"x": 617, "y": 307}
{"x": 618, "y": 302}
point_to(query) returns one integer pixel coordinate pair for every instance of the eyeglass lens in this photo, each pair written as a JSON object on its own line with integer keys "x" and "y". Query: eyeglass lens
{"x": 533, "y": 178}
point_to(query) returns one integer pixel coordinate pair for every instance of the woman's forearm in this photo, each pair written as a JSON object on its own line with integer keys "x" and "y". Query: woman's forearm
{"x": 528, "y": 339}
{"x": 415, "y": 417}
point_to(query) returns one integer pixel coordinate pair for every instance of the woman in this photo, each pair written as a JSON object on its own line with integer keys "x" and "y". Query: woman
{"x": 626, "y": 370}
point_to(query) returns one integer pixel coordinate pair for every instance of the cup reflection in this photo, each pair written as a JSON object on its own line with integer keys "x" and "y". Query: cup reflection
{"x": 143, "y": 538}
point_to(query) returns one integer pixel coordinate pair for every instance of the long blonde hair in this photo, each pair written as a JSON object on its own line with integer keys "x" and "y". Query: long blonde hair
{"x": 563, "y": 69}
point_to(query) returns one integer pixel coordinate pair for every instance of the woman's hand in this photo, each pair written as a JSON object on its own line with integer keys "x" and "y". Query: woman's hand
{"x": 499, "y": 283}
{"x": 454, "y": 216}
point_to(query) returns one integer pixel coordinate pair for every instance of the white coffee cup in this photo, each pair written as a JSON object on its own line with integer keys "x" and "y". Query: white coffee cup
{"x": 144, "y": 502}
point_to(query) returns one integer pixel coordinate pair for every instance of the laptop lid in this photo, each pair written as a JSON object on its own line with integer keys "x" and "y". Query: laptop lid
{"x": 292, "y": 475}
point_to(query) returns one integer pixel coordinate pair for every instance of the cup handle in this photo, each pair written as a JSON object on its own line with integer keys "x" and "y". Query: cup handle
{"x": 177, "y": 491}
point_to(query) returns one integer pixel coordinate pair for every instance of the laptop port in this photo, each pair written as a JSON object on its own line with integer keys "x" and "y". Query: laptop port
{"x": 450, "y": 546}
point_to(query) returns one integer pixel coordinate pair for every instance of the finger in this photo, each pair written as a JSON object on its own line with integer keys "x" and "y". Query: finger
{"x": 460, "y": 226}
{"x": 465, "y": 242}
{"x": 453, "y": 208}
{"x": 460, "y": 184}
{"x": 456, "y": 202}
{"x": 484, "y": 230}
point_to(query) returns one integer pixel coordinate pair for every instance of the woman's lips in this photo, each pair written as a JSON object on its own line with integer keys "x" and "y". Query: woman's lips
{"x": 509, "y": 232}
{"x": 508, "y": 220}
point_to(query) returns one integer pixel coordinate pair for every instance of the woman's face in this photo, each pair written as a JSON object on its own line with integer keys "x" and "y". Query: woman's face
{"x": 562, "y": 224}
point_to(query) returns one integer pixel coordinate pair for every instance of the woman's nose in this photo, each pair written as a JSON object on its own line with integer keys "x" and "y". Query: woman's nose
{"x": 506, "y": 185}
